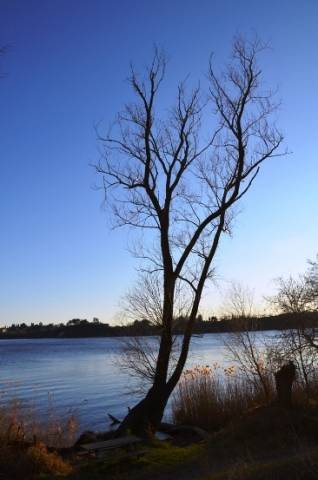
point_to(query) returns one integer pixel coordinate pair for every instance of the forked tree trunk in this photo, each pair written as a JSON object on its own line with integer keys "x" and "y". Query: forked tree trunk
{"x": 145, "y": 417}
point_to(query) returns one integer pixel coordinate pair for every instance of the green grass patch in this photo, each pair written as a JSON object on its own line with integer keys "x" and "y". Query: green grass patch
{"x": 159, "y": 457}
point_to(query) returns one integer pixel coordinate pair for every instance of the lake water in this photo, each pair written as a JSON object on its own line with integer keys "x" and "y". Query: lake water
{"x": 81, "y": 374}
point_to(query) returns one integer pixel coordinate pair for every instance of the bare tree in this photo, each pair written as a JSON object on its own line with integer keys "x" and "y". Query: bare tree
{"x": 299, "y": 344}
{"x": 291, "y": 296}
{"x": 143, "y": 303}
{"x": 297, "y": 295}
{"x": 144, "y": 300}
{"x": 311, "y": 278}
{"x": 239, "y": 301}
{"x": 242, "y": 344}
{"x": 179, "y": 178}
{"x": 292, "y": 345}
{"x": 250, "y": 357}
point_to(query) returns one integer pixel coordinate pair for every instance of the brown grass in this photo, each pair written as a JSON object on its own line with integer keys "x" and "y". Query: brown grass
{"x": 27, "y": 445}
{"x": 20, "y": 422}
{"x": 211, "y": 397}
{"x": 21, "y": 462}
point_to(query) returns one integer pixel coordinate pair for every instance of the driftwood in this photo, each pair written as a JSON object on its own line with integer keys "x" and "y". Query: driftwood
{"x": 284, "y": 379}
{"x": 103, "y": 441}
{"x": 114, "y": 420}
{"x": 128, "y": 441}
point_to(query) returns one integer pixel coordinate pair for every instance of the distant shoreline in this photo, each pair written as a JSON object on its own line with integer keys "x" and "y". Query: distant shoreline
{"x": 78, "y": 328}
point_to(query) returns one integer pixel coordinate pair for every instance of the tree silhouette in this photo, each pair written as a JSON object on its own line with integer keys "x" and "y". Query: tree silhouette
{"x": 179, "y": 177}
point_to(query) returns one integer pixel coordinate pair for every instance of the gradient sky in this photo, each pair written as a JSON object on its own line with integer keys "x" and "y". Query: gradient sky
{"x": 66, "y": 70}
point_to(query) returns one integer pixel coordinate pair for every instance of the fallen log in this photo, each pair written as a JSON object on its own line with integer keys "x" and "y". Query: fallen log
{"x": 114, "y": 420}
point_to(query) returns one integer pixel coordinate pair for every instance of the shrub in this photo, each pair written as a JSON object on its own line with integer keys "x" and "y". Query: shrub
{"x": 22, "y": 462}
{"x": 20, "y": 422}
{"x": 23, "y": 440}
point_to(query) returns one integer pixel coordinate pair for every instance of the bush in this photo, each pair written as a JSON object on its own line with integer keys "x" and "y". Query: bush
{"x": 23, "y": 440}
{"x": 19, "y": 422}
{"x": 22, "y": 462}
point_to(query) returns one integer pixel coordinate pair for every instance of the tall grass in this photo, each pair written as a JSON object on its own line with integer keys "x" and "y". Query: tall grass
{"x": 28, "y": 443}
{"x": 20, "y": 422}
{"x": 19, "y": 462}
{"x": 210, "y": 397}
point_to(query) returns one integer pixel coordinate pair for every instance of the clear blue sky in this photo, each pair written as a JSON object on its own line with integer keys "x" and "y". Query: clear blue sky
{"x": 66, "y": 70}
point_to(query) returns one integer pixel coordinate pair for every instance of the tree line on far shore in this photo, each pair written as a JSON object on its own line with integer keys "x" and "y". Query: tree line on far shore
{"x": 77, "y": 328}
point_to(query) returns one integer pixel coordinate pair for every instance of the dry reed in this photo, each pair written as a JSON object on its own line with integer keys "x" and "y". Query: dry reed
{"x": 210, "y": 397}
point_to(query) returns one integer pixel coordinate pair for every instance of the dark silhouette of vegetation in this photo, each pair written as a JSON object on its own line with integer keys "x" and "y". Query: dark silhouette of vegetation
{"x": 179, "y": 178}
{"x": 77, "y": 328}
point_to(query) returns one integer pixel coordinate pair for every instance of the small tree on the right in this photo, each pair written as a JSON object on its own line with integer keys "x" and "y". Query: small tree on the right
{"x": 299, "y": 296}
{"x": 312, "y": 283}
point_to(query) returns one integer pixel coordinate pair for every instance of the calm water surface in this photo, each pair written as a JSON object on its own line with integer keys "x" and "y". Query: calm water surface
{"x": 81, "y": 374}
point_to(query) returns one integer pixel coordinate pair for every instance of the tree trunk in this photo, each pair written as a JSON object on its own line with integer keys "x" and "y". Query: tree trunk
{"x": 284, "y": 378}
{"x": 145, "y": 417}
